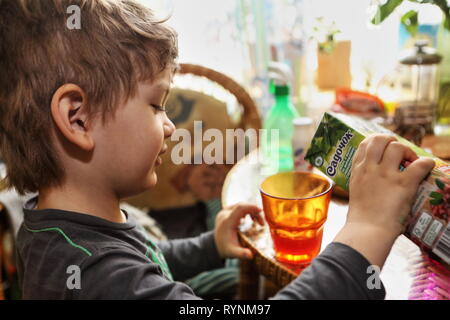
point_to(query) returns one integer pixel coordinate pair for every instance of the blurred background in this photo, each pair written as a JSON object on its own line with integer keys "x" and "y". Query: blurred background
{"x": 241, "y": 38}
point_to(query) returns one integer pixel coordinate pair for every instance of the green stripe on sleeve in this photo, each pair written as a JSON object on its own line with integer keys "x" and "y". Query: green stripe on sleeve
{"x": 73, "y": 244}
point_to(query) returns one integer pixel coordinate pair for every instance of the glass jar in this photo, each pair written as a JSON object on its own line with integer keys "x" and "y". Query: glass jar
{"x": 418, "y": 79}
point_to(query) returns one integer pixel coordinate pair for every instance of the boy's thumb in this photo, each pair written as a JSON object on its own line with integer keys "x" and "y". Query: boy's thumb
{"x": 243, "y": 253}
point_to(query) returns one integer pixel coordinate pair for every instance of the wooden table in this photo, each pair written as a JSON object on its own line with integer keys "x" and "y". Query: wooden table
{"x": 407, "y": 274}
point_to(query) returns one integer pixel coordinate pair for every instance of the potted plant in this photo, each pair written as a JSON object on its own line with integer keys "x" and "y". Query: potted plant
{"x": 333, "y": 56}
{"x": 411, "y": 23}
{"x": 410, "y": 19}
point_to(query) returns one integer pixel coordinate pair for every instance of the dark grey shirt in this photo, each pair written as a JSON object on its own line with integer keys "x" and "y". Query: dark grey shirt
{"x": 69, "y": 255}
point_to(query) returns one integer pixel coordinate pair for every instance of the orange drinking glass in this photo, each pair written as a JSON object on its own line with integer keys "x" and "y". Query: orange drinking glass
{"x": 296, "y": 207}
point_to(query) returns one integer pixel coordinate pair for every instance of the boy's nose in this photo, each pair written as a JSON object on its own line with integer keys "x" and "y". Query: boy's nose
{"x": 169, "y": 128}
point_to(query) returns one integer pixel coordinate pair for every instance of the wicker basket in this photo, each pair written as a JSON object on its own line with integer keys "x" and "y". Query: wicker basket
{"x": 250, "y": 117}
{"x": 279, "y": 274}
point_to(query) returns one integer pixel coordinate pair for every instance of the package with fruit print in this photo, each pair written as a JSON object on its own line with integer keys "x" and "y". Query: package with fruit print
{"x": 332, "y": 149}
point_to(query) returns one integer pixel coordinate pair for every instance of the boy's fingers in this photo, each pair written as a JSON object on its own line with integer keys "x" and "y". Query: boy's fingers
{"x": 242, "y": 210}
{"x": 230, "y": 206}
{"x": 259, "y": 218}
{"x": 394, "y": 155}
{"x": 242, "y": 253}
{"x": 360, "y": 154}
{"x": 376, "y": 147}
{"x": 419, "y": 169}
{"x": 255, "y": 217}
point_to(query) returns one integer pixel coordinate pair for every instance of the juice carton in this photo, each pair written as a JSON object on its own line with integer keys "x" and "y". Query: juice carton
{"x": 332, "y": 149}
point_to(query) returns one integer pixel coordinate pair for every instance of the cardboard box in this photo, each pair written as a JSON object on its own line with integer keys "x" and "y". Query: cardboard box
{"x": 332, "y": 150}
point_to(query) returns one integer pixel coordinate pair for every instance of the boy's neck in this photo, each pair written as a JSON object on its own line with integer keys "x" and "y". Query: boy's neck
{"x": 98, "y": 204}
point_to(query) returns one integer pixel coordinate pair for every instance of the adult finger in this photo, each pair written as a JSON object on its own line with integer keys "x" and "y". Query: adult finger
{"x": 419, "y": 169}
{"x": 395, "y": 153}
{"x": 376, "y": 147}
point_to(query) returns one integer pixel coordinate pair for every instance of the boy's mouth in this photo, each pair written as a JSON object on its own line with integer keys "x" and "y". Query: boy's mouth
{"x": 164, "y": 149}
{"x": 159, "y": 161}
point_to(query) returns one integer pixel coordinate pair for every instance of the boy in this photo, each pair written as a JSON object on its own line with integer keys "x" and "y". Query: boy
{"x": 83, "y": 124}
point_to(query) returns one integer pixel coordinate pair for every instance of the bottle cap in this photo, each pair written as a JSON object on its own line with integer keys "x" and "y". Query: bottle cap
{"x": 302, "y": 122}
{"x": 281, "y": 90}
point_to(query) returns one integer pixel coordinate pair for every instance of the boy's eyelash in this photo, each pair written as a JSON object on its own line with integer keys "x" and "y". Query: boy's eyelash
{"x": 158, "y": 107}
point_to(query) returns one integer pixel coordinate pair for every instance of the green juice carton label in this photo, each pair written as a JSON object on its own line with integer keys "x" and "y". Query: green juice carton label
{"x": 332, "y": 150}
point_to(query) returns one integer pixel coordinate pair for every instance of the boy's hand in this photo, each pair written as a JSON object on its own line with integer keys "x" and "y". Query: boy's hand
{"x": 225, "y": 232}
{"x": 381, "y": 195}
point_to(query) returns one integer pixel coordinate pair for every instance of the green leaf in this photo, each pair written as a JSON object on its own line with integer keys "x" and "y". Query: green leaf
{"x": 440, "y": 3}
{"x": 440, "y": 184}
{"x": 423, "y": 1}
{"x": 326, "y": 147}
{"x": 435, "y": 202}
{"x": 447, "y": 22}
{"x": 443, "y": 5}
{"x": 339, "y": 133}
{"x": 385, "y": 10}
{"x": 411, "y": 22}
{"x": 436, "y": 195}
{"x": 315, "y": 149}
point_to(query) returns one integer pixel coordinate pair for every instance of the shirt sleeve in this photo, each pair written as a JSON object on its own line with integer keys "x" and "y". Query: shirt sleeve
{"x": 338, "y": 273}
{"x": 122, "y": 274}
{"x": 189, "y": 257}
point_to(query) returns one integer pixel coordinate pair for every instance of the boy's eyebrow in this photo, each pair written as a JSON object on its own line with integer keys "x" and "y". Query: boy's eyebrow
{"x": 176, "y": 68}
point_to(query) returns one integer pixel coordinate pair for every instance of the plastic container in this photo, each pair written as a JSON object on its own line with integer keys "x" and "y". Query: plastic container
{"x": 278, "y": 154}
{"x": 303, "y": 133}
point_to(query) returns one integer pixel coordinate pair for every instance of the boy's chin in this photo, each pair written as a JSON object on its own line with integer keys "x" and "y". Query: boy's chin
{"x": 152, "y": 180}
{"x": 139, "y": 186}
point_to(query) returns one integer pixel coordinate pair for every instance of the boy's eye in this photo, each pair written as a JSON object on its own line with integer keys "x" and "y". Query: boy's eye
{"x": 158, "y": 107}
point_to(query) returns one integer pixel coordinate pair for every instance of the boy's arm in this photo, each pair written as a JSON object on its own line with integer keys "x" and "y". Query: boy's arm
{"x": 339, "y": 272}
{"x": 188, "y": 257}
{"x": 381, "y": 197}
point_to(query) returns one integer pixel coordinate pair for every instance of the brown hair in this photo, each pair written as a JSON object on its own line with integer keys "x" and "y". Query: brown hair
{"x": 120, "y": 42}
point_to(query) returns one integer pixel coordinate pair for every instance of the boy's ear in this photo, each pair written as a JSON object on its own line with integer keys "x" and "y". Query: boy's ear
{"x": 67, "y": 108}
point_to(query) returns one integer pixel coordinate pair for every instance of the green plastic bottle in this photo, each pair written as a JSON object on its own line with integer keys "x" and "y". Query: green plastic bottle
{"x": 280, "y": 117}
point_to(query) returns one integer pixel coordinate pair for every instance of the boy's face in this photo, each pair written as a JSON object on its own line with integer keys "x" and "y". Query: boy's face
{"x": 128, "y": 146}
